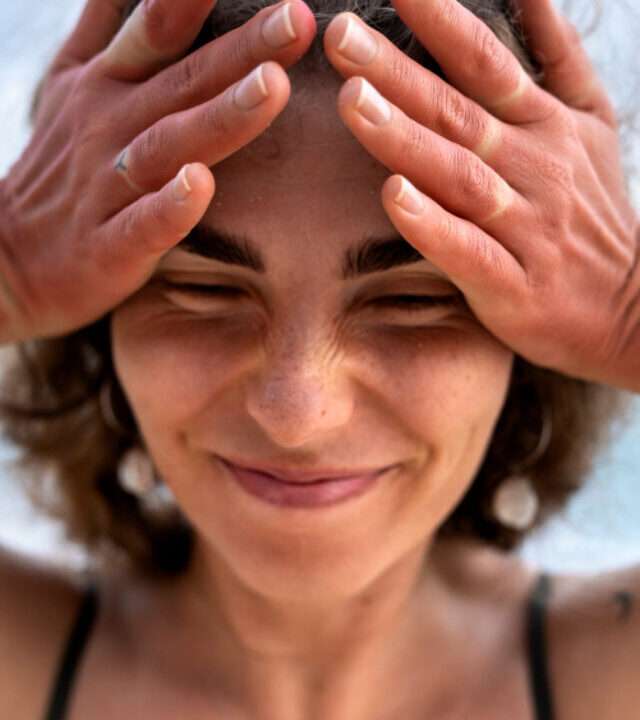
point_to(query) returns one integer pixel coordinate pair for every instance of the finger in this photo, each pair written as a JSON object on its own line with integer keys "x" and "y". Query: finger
{"x": 488, "y": 275}
{"x": 450, "y": 174}
{"x": 281, "y": 33}
{"x": 154, "y": 35}
{"x": 208, "y": 133}
{"x": 568, "y": 71}
{"x": 98, "y": 24}
{"x": 356, "y": 49}
{"x": 132, "y": 242}
{"x": 474, "y": 60}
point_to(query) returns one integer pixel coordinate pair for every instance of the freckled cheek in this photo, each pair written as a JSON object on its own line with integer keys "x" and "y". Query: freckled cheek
{"x": 171, "y": 368}
{"x": 439, "y": 381}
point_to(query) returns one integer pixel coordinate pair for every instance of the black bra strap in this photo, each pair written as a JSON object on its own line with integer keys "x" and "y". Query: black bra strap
{"x": 72, "y": 654}
{"x": 538, "y": 665}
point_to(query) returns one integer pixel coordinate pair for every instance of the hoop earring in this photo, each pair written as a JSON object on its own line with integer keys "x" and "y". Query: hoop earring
{"x": 515, "y": 502}
{"x": 135, "y": 472}
{"x": 137, "y": 476}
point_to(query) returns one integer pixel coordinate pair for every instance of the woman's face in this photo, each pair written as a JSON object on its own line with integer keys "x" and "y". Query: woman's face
{"x": 300, "y": 366}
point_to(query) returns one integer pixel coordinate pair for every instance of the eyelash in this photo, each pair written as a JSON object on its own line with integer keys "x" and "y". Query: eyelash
{"x": 409, "y": 303}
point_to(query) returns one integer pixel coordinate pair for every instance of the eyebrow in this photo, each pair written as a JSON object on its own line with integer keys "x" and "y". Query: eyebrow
{"x": 374, "y": 254}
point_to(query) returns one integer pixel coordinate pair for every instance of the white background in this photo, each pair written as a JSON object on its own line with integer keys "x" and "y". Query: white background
{"x": 601, "y": 527}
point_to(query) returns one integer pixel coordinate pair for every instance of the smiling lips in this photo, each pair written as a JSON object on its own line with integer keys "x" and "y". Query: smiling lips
{"x": 302, "y": 490}
{"x": 305, "y": 477}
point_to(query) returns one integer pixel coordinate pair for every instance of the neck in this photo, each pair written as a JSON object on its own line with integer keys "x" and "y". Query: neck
{"x": 347, "y": 658}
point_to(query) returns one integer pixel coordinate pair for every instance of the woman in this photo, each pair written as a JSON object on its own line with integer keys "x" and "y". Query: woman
{"x": 315, "y": 423}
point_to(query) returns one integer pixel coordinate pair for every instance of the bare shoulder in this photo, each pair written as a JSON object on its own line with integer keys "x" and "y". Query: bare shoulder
{"x": 592, "y": 628}
{"x": 37, "y": 608}
{"x": 594, "y": 644}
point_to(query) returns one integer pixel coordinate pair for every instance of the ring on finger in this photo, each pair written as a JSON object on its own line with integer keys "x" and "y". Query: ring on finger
{"x": 122, "y": 166}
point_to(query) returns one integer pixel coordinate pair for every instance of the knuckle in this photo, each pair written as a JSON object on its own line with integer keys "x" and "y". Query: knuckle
{"x": 413, "y": 144}
{"x": 185, "y": 80}
{"x": 480, "y": 251}
{"x": 447, "y": 230}
{"x": 130, "y": 225}
{"x": 489, "y": 57}
{"x": 242, "y": 50}
{"x": 443, "y": 16}
{"x": 215, "y": 117}
{"x": 401, "y": 75}
{"x": 156, "y": 211}
{"x": 552, "y": 223}
{"x": 473, "y": 184}
{"x": 148, "y": 148}
{"x": 567, "y": 125}
{"x": 455, "y": 117}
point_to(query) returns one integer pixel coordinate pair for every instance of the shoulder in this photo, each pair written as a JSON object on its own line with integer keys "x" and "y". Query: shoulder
{"x": 592, "y": 628}
{"x": 594, "y": 644}
{"x": 38, "y": 605}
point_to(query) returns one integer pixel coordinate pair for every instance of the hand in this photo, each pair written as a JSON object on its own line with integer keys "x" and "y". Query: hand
{"x": 520, "y": 194}
{"x": 78, "y": 234}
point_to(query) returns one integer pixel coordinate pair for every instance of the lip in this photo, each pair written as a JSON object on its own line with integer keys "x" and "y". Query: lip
{"x": 302, "y": 494}
{"x": 300, "y": 477}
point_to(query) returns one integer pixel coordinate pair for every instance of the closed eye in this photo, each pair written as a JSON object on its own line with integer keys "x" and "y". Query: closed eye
{"x": 408, "y": 303}
{"x": 210, "y": 290}
{"x": 413, "y": 303}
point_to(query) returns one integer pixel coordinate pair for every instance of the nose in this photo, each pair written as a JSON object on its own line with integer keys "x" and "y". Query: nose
{"x": 299, "y": 396}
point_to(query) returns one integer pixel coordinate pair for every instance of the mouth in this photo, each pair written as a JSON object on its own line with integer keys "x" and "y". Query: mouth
{"x": 293, "y": 476}
{"x": 319, "y": 489}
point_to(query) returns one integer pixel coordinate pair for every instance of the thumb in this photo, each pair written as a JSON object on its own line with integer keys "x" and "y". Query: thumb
{"x": 155, "y": 34}
{"x": 98, "y": 23}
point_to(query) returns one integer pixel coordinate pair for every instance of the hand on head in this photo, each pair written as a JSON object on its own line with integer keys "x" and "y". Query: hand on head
{"x": 486, "y": 161}
{"x": 512, "y": 188}
{"x": 102, "y": 191}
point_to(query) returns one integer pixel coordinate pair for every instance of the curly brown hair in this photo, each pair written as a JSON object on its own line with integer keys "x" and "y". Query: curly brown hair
{"x": 52, "y": 411}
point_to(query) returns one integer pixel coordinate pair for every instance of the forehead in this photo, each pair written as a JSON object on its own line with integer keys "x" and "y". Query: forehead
{"x": 305, "y": 191}
{"x": 306, "y": 173}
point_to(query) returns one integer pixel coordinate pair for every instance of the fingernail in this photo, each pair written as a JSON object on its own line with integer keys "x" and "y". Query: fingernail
{"x": 181, "y": 186}
{"x": 357, "y": 44}
{"x": 408, "y": 198}
{"x": 368, "y": 102}
{"x": 277, "y": 29}
{"x": 251, "y": 91}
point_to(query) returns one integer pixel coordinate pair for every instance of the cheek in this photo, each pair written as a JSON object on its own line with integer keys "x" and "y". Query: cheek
{"x": 445, "y": 389}
{"x": 441, "y": 382}
{"x": 436, "y": 383}
{"x": 171, "y": 366}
